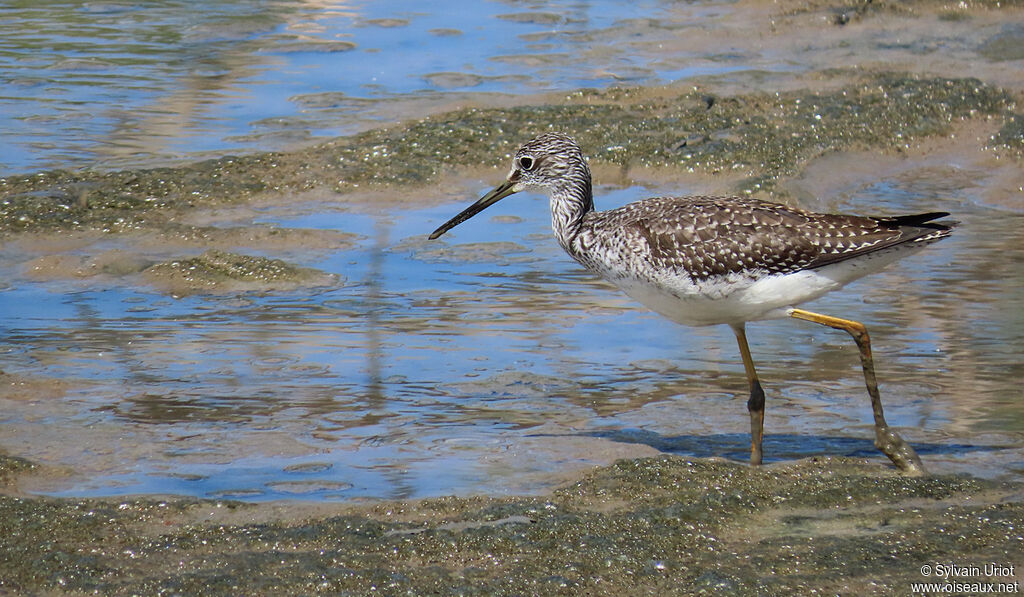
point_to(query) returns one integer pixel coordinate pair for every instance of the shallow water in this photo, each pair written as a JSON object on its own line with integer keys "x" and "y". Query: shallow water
{"x": 490, "y": 363}
{"x": 127, "y": 84}
{"x": 120, "y": 84}
{"x": 486, "y": 362}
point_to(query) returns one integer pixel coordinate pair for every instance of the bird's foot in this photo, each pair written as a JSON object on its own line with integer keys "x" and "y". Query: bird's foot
{"x": 899, "y": 451}
{"x": 755, "y": 455}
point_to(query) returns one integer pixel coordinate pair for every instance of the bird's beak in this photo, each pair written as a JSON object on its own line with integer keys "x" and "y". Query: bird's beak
{"x": 497, "y": 194}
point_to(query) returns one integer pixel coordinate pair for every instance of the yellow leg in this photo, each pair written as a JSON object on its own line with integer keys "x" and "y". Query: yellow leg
{"x": 755, "y": 405}
{"x": 886, "y": 439}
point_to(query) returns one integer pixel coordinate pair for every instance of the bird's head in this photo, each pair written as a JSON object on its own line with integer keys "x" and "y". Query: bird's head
{"x": 547, "y": 163}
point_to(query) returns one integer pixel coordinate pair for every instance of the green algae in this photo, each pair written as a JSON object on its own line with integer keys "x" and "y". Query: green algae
{"x": 845, "y": 11}
{"x": 763, "y": 136}
{"x": 754, "y": 139}
{"x": 221, "y": 271}
{"x": 1011, "y": 136}
{"x": 666, "y": 524}
{"x": 12, "y": 466}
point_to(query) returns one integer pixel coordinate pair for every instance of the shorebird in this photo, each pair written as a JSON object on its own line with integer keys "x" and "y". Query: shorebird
{"x": 719, "y": 260}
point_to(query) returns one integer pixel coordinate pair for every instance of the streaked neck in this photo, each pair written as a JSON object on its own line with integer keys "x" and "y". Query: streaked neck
{"x": 570, "y": 202}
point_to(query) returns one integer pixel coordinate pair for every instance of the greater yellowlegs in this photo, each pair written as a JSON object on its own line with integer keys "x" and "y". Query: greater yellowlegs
{"x": 719, "y": 260}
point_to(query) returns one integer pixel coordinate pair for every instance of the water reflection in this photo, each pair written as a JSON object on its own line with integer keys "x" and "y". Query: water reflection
{"x": 125, "y": 84}
{"x": 489, "y": 362}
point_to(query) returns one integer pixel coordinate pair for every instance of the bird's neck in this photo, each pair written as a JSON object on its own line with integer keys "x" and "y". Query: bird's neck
{"x": 569, "y": 204}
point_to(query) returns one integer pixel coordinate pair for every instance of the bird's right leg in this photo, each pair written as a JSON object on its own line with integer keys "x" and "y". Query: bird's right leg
{"x": 755, "y": 405}
{"x": 886, "y": 438}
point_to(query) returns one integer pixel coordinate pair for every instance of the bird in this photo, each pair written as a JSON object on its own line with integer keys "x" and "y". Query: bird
{"x": 714, "y": 260}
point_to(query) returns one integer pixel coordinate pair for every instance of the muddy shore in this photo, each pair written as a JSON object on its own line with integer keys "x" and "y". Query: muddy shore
{"x": 666, "y": 525}
{"x": 656, "y": 525}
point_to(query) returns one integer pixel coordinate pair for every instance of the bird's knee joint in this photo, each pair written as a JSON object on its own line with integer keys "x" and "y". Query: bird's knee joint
{"x": 756, "y": 401}
{"x": 858, "y": 331}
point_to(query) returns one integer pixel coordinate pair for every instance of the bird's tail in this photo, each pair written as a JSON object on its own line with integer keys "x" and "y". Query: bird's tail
{"x": 920, "y": 228}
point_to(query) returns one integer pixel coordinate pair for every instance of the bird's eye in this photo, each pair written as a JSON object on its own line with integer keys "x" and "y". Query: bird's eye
{"x": 526, "y": 163}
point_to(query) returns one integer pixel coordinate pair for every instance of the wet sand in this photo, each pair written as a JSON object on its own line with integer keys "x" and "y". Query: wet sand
{"x": 641, "y": 525}
{"x": 664, "y": 525}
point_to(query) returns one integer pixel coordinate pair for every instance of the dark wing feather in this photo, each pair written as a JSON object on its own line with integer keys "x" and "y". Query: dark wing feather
{"x": 714, "y": 236}
{"x": 863, "y": 235}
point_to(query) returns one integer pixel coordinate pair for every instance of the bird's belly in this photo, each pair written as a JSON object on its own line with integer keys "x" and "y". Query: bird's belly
{"x": 738, "y": 297}
{"x": 730, "y": 299}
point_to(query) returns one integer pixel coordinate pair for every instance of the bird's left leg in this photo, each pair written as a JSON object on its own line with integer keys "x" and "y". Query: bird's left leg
{"x": 755, "y": 405}
{"x": 886, "y": 439}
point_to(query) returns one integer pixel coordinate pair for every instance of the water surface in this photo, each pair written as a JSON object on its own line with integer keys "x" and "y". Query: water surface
{"x": 116, "y": 84}
{"x": 487, "y": 361}
{"x": 490, "y": 362}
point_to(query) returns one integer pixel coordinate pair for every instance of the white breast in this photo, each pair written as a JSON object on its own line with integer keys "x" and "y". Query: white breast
{"x": 742, "y": 297}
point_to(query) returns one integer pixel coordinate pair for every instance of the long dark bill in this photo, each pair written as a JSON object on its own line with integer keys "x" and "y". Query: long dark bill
{"x": 497, "y": 194}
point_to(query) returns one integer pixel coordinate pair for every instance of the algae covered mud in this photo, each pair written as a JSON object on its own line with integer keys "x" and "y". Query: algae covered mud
{"x": 663, "y": 525}
{"x": 274, "y": 325}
